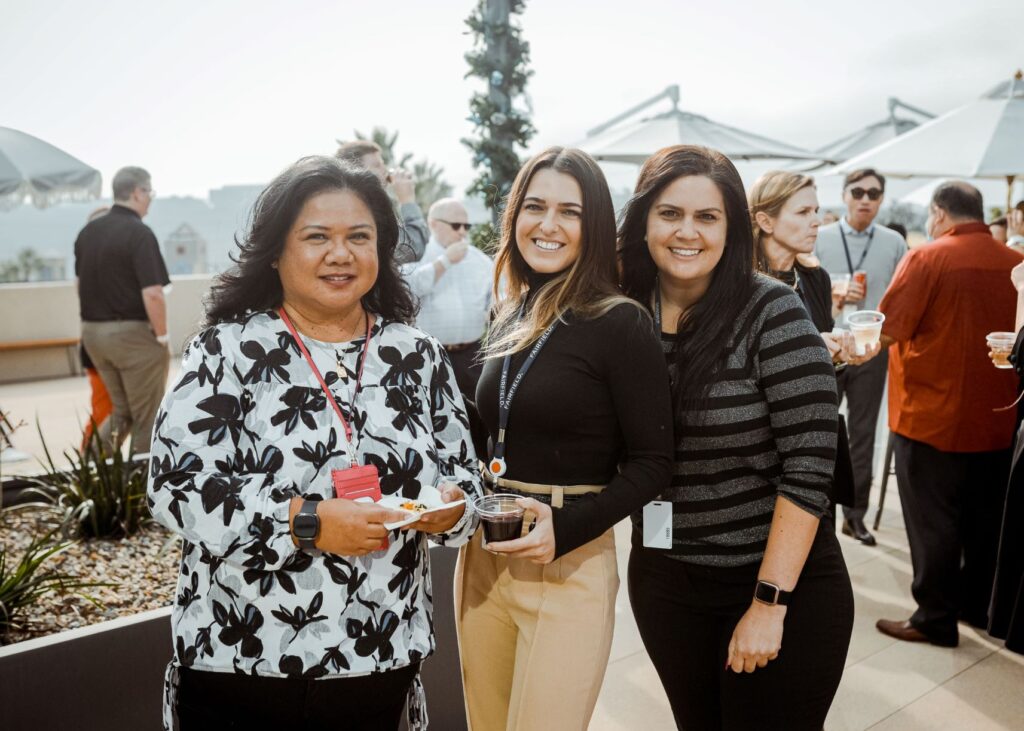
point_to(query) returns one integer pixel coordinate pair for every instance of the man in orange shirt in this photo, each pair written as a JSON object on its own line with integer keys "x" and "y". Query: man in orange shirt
{"x": 952, "y": 446}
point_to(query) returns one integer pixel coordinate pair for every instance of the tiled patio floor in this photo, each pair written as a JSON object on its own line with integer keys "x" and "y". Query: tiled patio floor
{"x": 888, "y": 685}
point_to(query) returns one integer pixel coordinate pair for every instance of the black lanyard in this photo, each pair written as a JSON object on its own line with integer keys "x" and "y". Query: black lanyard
{"x": 846, "y": 248}
{"x": 497, "y": 465}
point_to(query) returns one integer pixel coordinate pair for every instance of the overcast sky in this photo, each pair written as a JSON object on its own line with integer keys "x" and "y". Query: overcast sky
{"x": 206, "y": 93}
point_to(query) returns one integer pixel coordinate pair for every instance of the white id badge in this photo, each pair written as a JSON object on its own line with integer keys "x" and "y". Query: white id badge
{"x": 658, "y": 524}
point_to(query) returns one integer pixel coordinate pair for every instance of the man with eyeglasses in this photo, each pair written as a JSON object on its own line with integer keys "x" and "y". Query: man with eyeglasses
{"x": 453, "y": 283}
{"x": 121, "y": 277}
{"x": 857, "y": 248}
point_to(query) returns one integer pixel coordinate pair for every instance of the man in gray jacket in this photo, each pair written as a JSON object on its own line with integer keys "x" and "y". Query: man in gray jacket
{"x": 414, "y": 233}
{"x": 854, "y": 244}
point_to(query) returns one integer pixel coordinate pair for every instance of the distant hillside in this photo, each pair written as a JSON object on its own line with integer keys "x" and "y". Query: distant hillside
{"x": 52, "y": 232}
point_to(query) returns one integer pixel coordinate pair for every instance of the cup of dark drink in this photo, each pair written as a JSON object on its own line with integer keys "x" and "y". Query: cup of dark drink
{"x": 501, "y": 516}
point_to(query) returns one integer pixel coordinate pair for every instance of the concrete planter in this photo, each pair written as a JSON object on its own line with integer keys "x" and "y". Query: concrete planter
{"x": 110, "y": 675}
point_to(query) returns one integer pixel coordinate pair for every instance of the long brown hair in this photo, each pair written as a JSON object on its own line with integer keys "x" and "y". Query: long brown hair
{"x": 588, "y": 288}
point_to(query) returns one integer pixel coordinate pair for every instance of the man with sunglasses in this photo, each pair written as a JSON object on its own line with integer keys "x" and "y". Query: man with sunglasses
{"x": 855, "y": 244}
{"x": 453, "y": 283}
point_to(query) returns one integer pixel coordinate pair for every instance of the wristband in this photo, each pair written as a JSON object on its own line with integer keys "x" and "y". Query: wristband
{"x": 163, "y": 339}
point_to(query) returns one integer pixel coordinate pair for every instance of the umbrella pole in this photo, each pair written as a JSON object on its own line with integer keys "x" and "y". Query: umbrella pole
{"x": 1009, "y": 193}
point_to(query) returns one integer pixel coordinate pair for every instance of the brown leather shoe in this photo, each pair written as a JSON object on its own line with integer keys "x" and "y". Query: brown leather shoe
{"x": 901, "y": 630}
{"x": 908, "y": 633}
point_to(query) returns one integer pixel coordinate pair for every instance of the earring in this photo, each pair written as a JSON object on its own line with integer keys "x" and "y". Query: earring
{"x": 273, "y": 265}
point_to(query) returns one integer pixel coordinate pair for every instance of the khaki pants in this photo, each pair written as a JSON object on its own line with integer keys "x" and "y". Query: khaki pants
{"x": 535, "y": 639}
{"x": 133, "y": 366}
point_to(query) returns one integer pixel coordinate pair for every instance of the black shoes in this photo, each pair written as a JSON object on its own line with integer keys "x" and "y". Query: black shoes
{"x": 855, "y": 527}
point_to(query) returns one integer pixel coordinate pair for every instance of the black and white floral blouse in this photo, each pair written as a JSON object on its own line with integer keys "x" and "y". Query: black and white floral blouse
{"x": 246, "y": 428}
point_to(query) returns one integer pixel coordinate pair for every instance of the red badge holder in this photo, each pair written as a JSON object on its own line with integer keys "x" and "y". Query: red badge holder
{"x": 358, "y": 482}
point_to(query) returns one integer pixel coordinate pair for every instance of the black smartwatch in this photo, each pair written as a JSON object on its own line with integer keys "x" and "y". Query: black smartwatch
{"x": 306, "y": 525}
{"x": 771, "y": 594}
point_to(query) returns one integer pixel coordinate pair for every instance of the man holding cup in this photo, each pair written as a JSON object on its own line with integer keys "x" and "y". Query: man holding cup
{"x": 413, "y": 236}
{"x": 861, "y": 257}
{"x": 952, "y": 434}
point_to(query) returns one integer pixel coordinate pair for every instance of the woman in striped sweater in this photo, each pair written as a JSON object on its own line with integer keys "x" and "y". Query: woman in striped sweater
{"x": 741, "y": 552}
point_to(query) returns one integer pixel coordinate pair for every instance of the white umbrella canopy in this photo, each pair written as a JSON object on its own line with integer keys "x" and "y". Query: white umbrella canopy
{"x": 33, "y": 169}
{"x": 875, "y": 134}
{"x": 981, "y": 139}
{"x": 634, "y": 142}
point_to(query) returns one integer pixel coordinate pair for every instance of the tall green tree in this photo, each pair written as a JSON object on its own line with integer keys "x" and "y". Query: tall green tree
{"x": 500, "y": 58}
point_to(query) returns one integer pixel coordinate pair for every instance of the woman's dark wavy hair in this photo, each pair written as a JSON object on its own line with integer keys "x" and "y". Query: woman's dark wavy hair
{"x": 254, "y": 285}
{"x": 705, "y": 329}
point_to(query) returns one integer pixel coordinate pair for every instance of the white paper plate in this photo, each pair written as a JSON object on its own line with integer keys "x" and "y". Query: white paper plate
{"x": 429, "y": 496}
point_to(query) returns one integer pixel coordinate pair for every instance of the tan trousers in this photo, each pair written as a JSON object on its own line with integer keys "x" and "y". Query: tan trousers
{"x": 133, "y": 366}
{"x": 534, "y": 639}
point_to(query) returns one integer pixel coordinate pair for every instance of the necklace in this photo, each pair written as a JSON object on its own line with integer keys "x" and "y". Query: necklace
{"x": 341, "y": 369}
{"x": 790, "y": 277}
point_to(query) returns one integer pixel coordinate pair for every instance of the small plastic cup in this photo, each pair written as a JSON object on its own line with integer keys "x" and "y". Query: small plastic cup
{"x": 501, "y": 516}
{"x": 840, "y": 284}
{"x": 1000, "y": 345}
{"x": 866, "y": 326}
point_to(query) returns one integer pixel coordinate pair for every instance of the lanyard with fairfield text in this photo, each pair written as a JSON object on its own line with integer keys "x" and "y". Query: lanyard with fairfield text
{"x": 846, "y": 248}
{"x": 323, "y": 384}
{"x": 497, "y": 465}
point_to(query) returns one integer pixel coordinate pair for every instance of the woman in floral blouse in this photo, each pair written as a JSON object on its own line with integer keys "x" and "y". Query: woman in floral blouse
{"x": 296, "y": 608}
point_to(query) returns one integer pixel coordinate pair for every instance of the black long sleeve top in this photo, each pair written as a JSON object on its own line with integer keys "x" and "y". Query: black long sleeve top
{"x": 594, "y": 409}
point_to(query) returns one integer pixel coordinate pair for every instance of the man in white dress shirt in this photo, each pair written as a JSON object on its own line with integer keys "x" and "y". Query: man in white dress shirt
{"x": 453, "y": 282}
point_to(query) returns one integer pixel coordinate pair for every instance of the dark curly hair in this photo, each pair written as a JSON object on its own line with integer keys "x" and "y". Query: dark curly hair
{"x": 254, "y": 285}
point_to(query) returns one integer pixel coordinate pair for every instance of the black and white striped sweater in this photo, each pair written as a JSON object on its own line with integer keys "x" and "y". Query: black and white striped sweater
{"x": 768, "y": 431}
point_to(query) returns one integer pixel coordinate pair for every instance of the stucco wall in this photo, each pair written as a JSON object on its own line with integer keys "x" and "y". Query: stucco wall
{"x": 49, "y": 310}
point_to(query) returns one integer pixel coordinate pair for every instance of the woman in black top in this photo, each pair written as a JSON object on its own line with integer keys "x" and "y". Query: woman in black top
{"x": 588, "y": 440}
{"x": 747, "y": 610}
{"x": 1006, "y": 616}
{"x": 784, "y": 217}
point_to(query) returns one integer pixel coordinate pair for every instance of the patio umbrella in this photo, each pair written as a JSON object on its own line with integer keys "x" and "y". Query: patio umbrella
{"x": 635, "y": 141}
{"x": 31, "y": 168}
{"x": 874, "y": 134}
{"x": 981, "y": 139}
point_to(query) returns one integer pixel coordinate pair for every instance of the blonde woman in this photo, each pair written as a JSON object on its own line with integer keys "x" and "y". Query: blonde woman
{"x": 575, "y": 399}
{"x": 784, "y": 217}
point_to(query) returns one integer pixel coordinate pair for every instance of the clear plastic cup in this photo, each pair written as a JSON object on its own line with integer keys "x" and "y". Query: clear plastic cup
{"x": 866, "y": 326}
{"x": 841, "y": 284}
{"x": 1000, "y": 345}
{"x": 501, "y": 517}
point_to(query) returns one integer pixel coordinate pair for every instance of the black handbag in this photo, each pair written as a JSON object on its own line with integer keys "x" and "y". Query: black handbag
{"x": 842, "y": 478}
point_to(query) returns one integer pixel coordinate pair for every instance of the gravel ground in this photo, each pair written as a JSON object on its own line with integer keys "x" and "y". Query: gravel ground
{"x": 143, "y": 567}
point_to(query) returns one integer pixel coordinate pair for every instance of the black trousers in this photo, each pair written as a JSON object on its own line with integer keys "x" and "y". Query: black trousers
{"x": 952, "y": 507}
{"x": 686, "y": 615}
{"x": 863, "y": 387}
{"x": 209, "y": 701}
{"x": 467, "y": 366}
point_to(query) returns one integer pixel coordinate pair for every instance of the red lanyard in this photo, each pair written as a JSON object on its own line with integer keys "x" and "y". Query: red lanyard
{"x": 323, "y": 384}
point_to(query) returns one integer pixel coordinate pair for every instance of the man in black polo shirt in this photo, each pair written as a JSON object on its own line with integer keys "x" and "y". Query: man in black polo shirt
{"x": 121, "y": 279}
